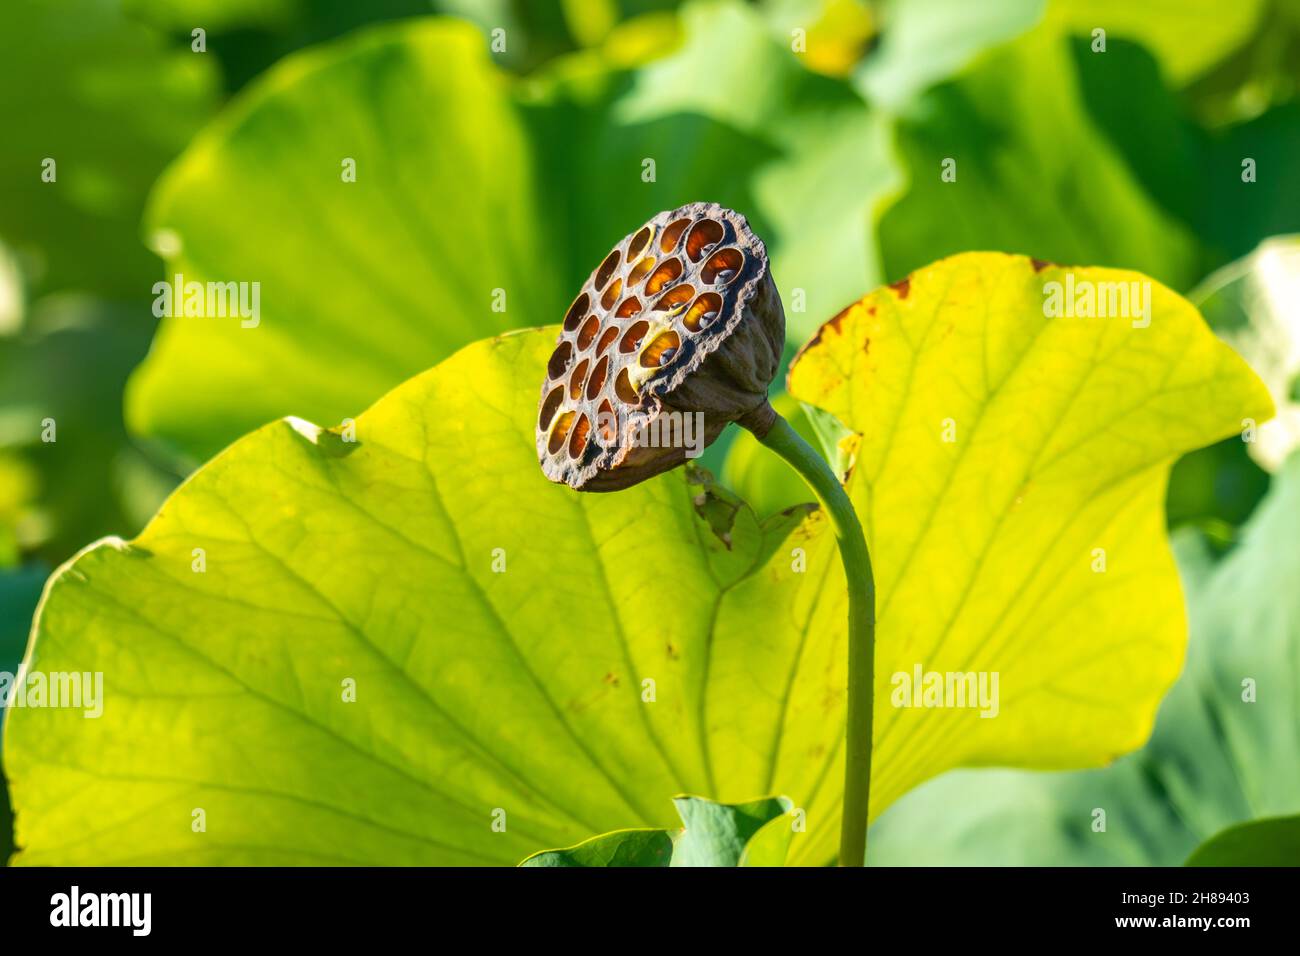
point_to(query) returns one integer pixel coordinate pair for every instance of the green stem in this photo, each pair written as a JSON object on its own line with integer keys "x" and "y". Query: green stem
{"x": 775, "y": 432}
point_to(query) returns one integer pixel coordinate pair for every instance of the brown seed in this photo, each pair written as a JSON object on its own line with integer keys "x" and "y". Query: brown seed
{"x": 576, "y": 312}
{"x": 704, "y": 235}
{"x": 668, "y": 271}
{"x": 639, "y": 242}
{"x": 607, "y": 269}
{"x": 668, "y": 241}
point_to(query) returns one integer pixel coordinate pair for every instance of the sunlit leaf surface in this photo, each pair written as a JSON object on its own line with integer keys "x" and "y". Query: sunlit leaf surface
{"x": 577, "y": 660}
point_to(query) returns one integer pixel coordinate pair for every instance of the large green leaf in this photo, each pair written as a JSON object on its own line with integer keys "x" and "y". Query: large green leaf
{"x": 110, "y": 102}
{"x": 361, "y": 283}
{"x": 1240, "y": 214}
{"x": 926, "y": 41}
{"x": 1016, "y": 124}
{"x": 1195, "y": 175}
{"x": 1096, "y": 147}
{"x": 575, "y": 660}
{"x": 1032, "y": 542}
{"x": 512, "y": 185}
{"x": 1215, "y": 759}
{"x": 1188, "y": 37}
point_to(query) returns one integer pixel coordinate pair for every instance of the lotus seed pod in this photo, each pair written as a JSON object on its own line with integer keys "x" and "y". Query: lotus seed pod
{"x": 677, "y": 333}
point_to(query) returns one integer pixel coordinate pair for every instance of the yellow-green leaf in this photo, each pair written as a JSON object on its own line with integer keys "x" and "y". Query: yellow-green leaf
{"x": 563, "y": 664}
{"x": 1011, "y": 479}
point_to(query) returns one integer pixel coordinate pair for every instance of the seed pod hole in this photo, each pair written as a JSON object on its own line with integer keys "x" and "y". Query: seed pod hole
{"x": 676, "y": 297}
{"x": 588, "y": 332}
{"x": 661, "y": 350}
{"x": 703, "y": 311}
{"x": 606, "y": 339}
{"x": 576, "y": 312}
{"x": 578, "y": 379}
{"x": 611, "y": 295}
{"x": 639, "y": 242}
{"x": 607, "y": 269}
{"x": 669, "y": 271}
{"x": 607, "y": 422}
{"x": 628, "y": 307}
{"x": 624, "y": 390}
{"x": 633, "y": 336}
{"x": 560, "y": 358}
{"x": 561, "y": 431}
{"x": 550, "y": 407}
{"x": 723, "y": 266}
{"x": 578, "y": 440}
{"x": 640, "y": 271}
{"x": 704, "y": 235}
{"x": 597, "y": 380}
{"x": 668, "y": 241}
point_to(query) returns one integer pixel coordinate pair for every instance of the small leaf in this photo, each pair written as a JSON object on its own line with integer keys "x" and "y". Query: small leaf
{"x": 1258, "y": 843}
{"x": 718, "y": 834}
{"x": 756, "y": 833}
{"x": 620, "y": 848}
{"x": 770, "y": 846}
{"x": 761, "y": 478}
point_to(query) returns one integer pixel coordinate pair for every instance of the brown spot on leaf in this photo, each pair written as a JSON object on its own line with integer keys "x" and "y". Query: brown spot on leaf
{"x": 611, "y": 680}
{"x": 902, "y": 287}
{"x": 1039, "y": 264}
{"x": 834, "y": 322}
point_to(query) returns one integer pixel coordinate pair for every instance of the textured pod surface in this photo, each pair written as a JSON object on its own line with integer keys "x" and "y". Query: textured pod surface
{"x": 681, "y": 318}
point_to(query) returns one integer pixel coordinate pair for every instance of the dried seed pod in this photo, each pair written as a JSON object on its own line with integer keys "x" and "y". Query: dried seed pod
{"x": 690, "y": 324}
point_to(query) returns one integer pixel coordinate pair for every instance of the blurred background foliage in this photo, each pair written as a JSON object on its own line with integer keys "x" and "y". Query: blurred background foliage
{"x": 516, "y": 166}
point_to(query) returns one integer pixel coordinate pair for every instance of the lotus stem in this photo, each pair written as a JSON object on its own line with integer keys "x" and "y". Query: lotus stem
{"x": 775, "y": 432}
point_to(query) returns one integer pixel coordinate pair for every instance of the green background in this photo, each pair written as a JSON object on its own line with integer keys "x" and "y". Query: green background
{"x": 516, "y": 169}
